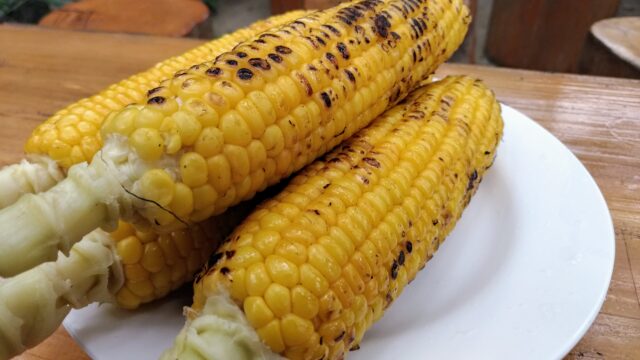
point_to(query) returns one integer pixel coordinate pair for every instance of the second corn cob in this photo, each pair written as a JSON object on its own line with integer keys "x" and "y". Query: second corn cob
{"x": 312, "y": 269}
{"x": 217, "y": 133}
{"x": 72, "y": 134}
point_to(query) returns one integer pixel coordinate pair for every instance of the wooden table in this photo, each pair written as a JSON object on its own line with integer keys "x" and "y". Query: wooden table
{"x": 597, "y": 118}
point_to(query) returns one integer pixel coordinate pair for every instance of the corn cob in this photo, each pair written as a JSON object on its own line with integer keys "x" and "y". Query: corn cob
{"x": 72, "y": 134}
{"x": 313, "y": 268}
{"x": 217, "y": 133}
{"x": 126, "y": 267}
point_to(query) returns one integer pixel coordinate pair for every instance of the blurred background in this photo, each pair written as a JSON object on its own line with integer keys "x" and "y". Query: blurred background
{"x": 595, "y": 37}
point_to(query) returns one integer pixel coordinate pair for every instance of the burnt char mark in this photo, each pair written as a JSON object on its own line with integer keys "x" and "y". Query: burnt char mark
{"x": 332, "y": 59}
{"x": 401, "y": 258}
{"x": 342, "y": 49}
{"x": 312, "y": 68}
{"x": 395, "y": 36}
{"x": 321, "y": 41}
{"x": 259, "y": 63}
{"x": 371, "y": 161}
{"x": 350, "y": 75}
{"x": 339, "y": 337}
{"x": 305, "y": 83}
{"x": 331, "y": 28}
{"x": 231, "y": 62}
{"x": 409, "y": 247}
{"x": 298, "y": 22}
{"x": 394, "y": 270}
{"x": 311, "y": 41}
{"x": 260, "y": 41}
{"x": 213, "y": 260}
{"x": 245, "y": 74}
{"x": 266, "y": 35}
{"x": 214, "y": 71}
{"x": 281, "y": 49}
{"x": 225, "y": 271}
{"x": 229, "y": 254}
{"x": 326, "y": 99}
{"x": 381, "y": 25}
{"x": 472, "y": 178}
{"x": 154, "y": 90}
{"x": 156, "y": 100}
{"x": 241, "y": 54}
{"x": 275, "y": 57}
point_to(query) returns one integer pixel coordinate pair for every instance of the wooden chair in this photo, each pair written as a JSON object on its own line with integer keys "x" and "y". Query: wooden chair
{"x": 155, "y": 17}
{"x": 613, "y": 48}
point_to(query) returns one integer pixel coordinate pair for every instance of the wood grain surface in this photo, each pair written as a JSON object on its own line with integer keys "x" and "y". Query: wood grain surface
{"x": 598, "y": 118}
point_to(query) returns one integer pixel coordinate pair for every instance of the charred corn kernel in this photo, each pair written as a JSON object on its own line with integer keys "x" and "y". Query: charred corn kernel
{"x": 391, "y": 216}
{"x": 148, "y": 143}
{"x": 156, "y": 185}
{"x": 130, "y": 250}
{"x": 75, "y": 126}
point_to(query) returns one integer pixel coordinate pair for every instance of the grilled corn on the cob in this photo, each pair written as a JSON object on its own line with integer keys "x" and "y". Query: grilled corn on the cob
{"x": 312, "y": 269}
{"x": 217, "y": 133}
{"x": 72, "y": 134}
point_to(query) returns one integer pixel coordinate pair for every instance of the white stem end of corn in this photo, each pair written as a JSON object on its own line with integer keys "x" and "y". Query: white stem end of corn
{"x": 219, "y": 331}
{"x": 34, "y": 303}
{"x": 36, "y": 227}
{"x": 38, "y": 173}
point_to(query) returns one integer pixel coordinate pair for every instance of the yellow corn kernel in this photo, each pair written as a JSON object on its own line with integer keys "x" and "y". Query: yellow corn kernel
{"x": 193, "y": 169}
{"x": 187, "y": 126}
{"x": 257, "y": 311}
{"x": 282, "y": 271}
{"x": 147, "y": 143}
{"x": 152, "y": 259}
{"x": 304, "y": 303}
{"x": 313, "y": 280}
{"x": 182, "y": 202}
{"x": 135, "y": 272}
{"x": 265, "y": 241}
{"x": 235, "y": 129}
{"x": 278, "y": 298}
{"x": 272, "y": 336}
{"x": 127, "y": 299}
{"x": 292, "y": 251}
{"x": 156, "y": 185}
{"x": 209, "y": 142}
{"x": 130, "y": 250}
{"x": 295, "y": 330}
{"x": 238, "y": 160}
{"x": 141, "y": 288}
{"x": 257, "y": 279}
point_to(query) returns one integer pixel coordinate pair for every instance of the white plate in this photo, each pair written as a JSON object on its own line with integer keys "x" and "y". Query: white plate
{"x": 522, "y": 276}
